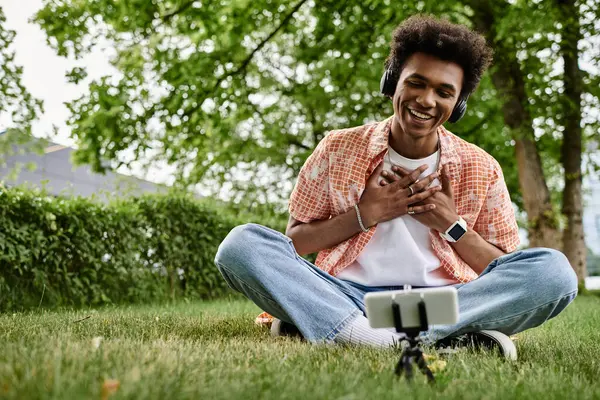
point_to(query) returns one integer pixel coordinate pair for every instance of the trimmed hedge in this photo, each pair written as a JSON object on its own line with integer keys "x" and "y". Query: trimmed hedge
{"x": 57, "y": 251}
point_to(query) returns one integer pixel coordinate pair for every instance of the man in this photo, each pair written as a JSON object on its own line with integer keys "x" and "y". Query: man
{"x": 434, "y": 211}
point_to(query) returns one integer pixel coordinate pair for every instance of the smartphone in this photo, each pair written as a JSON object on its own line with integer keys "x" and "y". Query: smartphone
{"x": 441, "y": 304}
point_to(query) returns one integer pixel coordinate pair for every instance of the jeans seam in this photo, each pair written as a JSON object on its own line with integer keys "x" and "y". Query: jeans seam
{"x": 241, "y": 281}
{"x": 530, "y": 310}
{"x": 335, "y": 331}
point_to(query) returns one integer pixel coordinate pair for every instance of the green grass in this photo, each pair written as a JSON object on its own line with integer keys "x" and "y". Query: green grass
{"x": 214, "y": 351}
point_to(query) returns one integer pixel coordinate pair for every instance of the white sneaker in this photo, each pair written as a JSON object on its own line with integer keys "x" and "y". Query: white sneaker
{"x": 485, "y": 339}
{"x": 282, "y": 328}
{"x": 500, "y": 340}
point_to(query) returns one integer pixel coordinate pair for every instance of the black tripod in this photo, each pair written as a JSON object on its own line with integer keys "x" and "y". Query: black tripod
{"x": 413, "y": 351}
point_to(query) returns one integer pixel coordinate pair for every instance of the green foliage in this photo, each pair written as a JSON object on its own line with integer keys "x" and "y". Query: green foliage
{"x": 237, "y": 95}
{"x": 77, "y": 252}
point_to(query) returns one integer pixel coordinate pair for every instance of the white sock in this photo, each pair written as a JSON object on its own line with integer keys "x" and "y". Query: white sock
{"x": 359, "y": 332}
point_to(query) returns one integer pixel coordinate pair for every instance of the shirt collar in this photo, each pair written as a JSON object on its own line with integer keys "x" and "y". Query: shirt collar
{"x": 380, "y": 138}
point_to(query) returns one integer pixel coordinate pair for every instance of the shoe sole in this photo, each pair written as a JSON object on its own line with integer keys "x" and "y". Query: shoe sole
{"x": 507, "y": 347}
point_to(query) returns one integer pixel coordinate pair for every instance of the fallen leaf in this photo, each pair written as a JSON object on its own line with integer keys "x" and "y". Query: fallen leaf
{"x": 109, "y": 387}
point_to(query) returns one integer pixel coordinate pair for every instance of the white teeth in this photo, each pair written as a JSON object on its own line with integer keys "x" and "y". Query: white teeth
{"x": 420, "y": 115}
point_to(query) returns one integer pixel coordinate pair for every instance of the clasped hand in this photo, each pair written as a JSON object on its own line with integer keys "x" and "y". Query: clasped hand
{"x": 391, "y": 195}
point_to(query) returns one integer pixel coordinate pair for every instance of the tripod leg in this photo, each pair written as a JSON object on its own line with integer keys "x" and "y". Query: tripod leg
{"x": 400, "y": 365}
{"x": 408, "y": 369}
{"x": 399, "y": 368}
{"x": 424, "y": 368}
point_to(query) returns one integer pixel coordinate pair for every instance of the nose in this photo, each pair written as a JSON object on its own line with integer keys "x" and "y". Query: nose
{"x": 426, "y": 99}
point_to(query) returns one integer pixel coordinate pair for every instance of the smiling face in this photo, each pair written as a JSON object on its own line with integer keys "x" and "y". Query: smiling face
{"x": 425, "y": 96}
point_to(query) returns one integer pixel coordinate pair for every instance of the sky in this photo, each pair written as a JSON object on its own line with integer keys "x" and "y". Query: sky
{"x": 44, "y": 71}
{"x": 44, "y": 77}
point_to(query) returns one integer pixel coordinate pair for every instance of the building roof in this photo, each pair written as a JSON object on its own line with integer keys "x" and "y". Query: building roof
{"x": 55, "y": 171}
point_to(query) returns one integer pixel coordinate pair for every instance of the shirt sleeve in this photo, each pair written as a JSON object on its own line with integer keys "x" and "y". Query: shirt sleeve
{"x": 496, "y": 222}
{"x": 310, "y": 198}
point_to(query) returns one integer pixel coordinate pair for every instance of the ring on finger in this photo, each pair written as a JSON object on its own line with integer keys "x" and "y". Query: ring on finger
{"x": 412, "y": 191}
{"x": 411, "y": 211}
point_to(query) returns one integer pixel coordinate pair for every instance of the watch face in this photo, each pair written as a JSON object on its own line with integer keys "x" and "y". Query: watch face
{"x": 457, "y": 232}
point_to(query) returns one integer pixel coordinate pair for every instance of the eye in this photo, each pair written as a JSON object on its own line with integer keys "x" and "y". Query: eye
{"x": 444, "y": 95}
{"x": 415, "y": 84}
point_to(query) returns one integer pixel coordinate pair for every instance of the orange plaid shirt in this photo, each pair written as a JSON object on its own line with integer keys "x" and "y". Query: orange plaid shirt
{"x": 334, "y": 176}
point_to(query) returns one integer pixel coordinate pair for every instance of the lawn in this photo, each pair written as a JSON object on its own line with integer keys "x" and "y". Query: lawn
{"x": 212, "y": 350}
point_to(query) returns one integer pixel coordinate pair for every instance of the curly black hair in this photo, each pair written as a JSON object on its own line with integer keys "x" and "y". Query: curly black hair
{"x": 442, "y": 39}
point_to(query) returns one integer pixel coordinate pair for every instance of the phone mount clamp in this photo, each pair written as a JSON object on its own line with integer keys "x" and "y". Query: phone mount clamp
{"x": 412, "y": 352}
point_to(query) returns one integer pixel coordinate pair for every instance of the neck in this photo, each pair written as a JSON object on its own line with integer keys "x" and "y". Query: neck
{"x": 412, "y": 147}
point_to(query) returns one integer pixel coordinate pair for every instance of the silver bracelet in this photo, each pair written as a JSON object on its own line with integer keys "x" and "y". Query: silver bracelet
{"x": 362, "y": 226}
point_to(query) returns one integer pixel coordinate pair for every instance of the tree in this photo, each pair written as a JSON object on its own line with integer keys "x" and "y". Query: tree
{"x": 510, "y": 79}
{"x": 571, "y": 150}
{"x": 549, "y": 34}
{"x": 238, "y": 93}
{"x": 532, "y": 39}
{"x": 243, "y": 89}
{"x": 15, "y": 101}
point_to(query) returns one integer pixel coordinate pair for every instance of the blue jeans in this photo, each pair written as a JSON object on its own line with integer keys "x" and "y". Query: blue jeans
{"x": 515, "y": 292}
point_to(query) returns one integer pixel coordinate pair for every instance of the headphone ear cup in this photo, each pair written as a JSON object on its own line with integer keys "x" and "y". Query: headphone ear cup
{"x": 459, "y": 110}
{"x": 387, "y": 85}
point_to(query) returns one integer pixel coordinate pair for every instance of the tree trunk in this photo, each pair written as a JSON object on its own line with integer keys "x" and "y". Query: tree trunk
{"x": 542, "y": 226}
{"x": 573, "y": 238}
{"x": 507, "y": 77}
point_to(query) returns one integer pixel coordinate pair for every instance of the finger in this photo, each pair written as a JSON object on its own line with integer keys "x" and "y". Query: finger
{"x": 424, "y": 183}
{"x": 424, "y": 194}
{"x": 413, "y": 176}
{"x": 421, "y": 209}
{"x": 389, "y": 176}
{"x": 403, "y": 171}
{"x": 379, "y": 168}
{"x": 400, "y": 171}
{"x": 446, "y": 185}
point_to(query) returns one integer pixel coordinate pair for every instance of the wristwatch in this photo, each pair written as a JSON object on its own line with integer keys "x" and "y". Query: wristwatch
{"x": 456, "y": 231}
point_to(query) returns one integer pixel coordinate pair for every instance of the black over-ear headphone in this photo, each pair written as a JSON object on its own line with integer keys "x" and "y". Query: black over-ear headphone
{"x": 388, "y": 88}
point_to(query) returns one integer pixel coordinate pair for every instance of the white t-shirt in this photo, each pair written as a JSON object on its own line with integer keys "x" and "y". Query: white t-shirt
{"x": 400, "y": 252}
